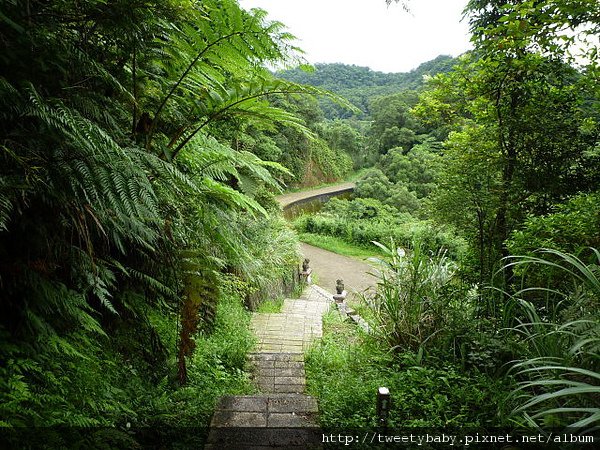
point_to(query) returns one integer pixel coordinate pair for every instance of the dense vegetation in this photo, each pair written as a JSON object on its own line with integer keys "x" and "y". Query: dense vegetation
{"x": 360, "y": 84}
{"x": 483, "y": 196}
{"x": 141, "y": 145}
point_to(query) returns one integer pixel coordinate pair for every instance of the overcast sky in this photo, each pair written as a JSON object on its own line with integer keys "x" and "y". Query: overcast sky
{"x": 369, "y": 33}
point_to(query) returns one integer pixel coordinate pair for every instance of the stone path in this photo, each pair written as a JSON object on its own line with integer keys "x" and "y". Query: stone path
{"x": 282, "y": 415}
{"x": 298, "y": 324}
{"x": 279, "y": 373}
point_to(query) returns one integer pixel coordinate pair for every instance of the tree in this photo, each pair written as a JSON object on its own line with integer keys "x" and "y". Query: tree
{"x": 563, "y": 29}
{"x": 417, "y": 169}
{"x": 392, "y": 124}
{"x": 530, "y": 109}
{"x": 341, "y": 136}
{"x": 115, "y": 196}
{"x": 375, "y": 184}
{"x": 521, "y": 117}
{"x": 468, "y": 194}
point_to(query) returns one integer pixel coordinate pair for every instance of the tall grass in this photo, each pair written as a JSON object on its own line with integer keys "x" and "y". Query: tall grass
{"x": 561, "y": 373}
{"x": 409, "y": 306}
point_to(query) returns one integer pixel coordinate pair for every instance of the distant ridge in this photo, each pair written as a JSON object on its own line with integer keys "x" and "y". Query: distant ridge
{"x": 360, "y": 84}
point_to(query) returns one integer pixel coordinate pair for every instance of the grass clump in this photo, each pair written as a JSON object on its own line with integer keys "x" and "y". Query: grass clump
{"x": 409, "y": 306}
{"x": 559, "y": 372}
{"x": 271, "y": 306}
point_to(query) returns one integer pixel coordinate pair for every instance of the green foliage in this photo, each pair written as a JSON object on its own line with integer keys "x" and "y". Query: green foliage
{"x": 342, "y": 136}
{"x": 362, "y": 221}
{"x": 409, "y": 305}
{"x": 417, "y": 168}
{"x": 360, "y": 84}
{"x": 178, "y": 417}
{"x": 217, "y": 368}
{"x": 345, "y": 370}
{"x": 116, "y": 381}
{"x": 330, "y": 165}
{"x": 468, "y": 194}
{"x": 571, "y": 227}
{"x": 376, "y": 185}
{"x": 140, "y": 146}
{"x": 393, "y": 125}
{"x": 310, "y": 157}
{"x": 535, "y": 25}
{"x": 83, "y": 380}
{"x": 271, "y": 306}
{"x": 517, "y": 148}
{"x": 519, "y": 117}
{"x": 121, "y": 204}
{"x": 561, "y": 371}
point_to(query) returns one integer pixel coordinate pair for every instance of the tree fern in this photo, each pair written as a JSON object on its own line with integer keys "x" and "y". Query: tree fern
{"x": 115, "y": 199}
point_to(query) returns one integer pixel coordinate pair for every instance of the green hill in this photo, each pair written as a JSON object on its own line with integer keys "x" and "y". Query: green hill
{"x": 361, "y": 84}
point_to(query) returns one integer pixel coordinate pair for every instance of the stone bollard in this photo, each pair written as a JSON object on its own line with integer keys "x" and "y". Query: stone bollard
{"x": 341, "y": 294}
{"x": 306, "y": 271}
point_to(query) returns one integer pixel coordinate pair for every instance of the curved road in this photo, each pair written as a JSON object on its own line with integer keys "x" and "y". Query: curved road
{"x": 327, "y": 266}
{"x": 286, "y": 200}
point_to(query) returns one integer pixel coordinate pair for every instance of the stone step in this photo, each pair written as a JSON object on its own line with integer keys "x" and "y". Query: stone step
{"x": 264, "y": 438}
{"x": 265, "y": 421}
{"x": 278, "y": 372}
{"x": 286, "y": 333}
{"x": 282, "y": 416}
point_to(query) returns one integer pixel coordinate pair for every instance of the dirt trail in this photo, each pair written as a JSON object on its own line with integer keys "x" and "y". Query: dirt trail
{"x": 329, "y": 267}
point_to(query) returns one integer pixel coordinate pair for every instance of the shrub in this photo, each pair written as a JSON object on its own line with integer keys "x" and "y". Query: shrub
{"x": 572, "y": 227}
{"x": 408, "y": 306}
{"x": 362, "y": 221}
{"x": 347, "y": 367}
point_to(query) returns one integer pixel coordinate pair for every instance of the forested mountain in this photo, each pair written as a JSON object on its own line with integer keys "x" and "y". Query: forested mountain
{"x": 360, "y": 84}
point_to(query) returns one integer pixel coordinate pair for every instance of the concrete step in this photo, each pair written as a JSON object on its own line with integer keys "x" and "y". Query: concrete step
{"x": 265, "y": 421}
{"x": 278, "y": 372}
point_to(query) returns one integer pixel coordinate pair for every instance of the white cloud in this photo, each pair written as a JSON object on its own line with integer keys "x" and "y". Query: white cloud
{"x": 369, "y": 33}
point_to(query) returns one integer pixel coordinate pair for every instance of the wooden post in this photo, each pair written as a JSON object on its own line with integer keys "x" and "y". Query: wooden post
{"x": 383, "y": 406}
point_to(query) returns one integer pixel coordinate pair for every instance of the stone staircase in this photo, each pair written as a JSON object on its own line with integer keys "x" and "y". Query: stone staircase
{"x": 281, "y": 415}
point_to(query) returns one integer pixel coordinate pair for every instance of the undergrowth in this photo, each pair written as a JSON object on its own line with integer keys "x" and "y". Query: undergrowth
{"x": 128, "y": 401}
{"x": 347, "y": 367}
